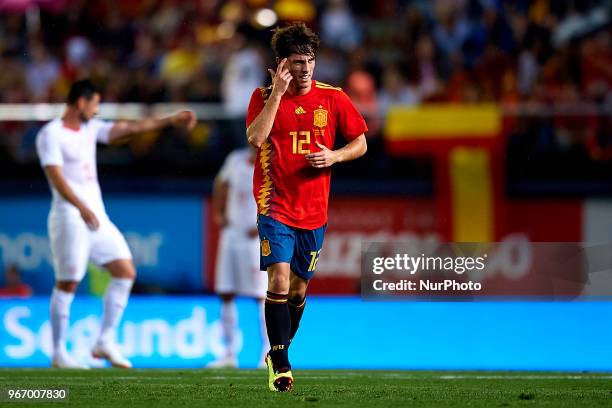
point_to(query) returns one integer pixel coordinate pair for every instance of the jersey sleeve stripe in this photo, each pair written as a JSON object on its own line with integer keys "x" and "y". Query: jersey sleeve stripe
{"x": 263, "y": 198}
{"x": 265, "y": 92}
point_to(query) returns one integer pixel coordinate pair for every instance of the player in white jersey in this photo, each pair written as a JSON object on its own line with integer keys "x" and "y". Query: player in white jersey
{"x": 238, "y": 272}
{"x": 79, "y": 228}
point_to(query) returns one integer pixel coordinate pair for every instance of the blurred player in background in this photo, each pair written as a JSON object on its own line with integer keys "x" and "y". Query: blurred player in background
{"x": 238, "y": 272}
{"x": 293, "y": 123}
{"x": 79, "y": 228}
{"x": 13, "y": 285}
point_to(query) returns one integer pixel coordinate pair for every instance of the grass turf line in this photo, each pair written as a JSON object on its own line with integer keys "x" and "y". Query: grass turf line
{"x": 230, "y": 388}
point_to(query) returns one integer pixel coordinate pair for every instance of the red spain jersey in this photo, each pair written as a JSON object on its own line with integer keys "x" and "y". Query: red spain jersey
{"x": 285, "y": 186}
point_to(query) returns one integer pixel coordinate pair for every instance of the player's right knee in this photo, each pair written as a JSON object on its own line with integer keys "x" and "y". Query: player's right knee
{"x": 122, "y": 269}
{"x": 131, "y": 274}
{"x": 278, "y": 283}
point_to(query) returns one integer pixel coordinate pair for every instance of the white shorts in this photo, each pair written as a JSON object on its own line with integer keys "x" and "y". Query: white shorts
{"x": 73, "y": 245}
{"x": 237, "y": 270}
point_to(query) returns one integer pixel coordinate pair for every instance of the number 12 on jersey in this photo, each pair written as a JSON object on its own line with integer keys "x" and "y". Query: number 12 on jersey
{"x": 300, "y": 139}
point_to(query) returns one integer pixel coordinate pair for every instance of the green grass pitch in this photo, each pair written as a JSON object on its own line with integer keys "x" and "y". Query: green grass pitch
{"x": 248, "y": 388}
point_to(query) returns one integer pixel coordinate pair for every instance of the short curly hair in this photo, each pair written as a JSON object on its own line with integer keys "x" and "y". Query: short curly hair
{"x": 83, "y": 88}
{"x": 296, "y": 38}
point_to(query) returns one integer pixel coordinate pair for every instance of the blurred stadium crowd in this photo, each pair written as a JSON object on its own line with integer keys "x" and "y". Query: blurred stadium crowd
{"x": 547, "y": 62}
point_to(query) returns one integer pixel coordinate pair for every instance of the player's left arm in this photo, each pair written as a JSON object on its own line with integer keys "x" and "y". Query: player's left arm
{"x": 326, "y": 157}
{"x": 123, "y": 129}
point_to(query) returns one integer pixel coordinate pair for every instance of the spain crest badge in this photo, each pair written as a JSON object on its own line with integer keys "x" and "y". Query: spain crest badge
{"x": 320, "y": 117}
{"x": 265, "y": 247}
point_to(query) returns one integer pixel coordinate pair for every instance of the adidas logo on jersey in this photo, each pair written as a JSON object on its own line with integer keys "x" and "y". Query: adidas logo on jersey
{"x": 300, "y": 111}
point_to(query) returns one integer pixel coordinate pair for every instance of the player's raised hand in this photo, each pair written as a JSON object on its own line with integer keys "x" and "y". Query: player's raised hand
{"x": 281, "y": 78}
{"x": 90, "y": 218}
{"x": 186, "y": 119}
{"x": 323, "y": 158}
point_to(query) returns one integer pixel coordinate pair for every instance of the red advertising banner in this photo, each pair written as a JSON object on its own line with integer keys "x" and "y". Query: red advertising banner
{"x": 353, "y": 220}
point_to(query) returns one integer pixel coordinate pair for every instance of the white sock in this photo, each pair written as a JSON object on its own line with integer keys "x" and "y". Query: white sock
{"x": 60, "y": 316}
{"x": 115, "y": 300}
{"x": 229, "y": 320}
{"x": 265, "y": 343}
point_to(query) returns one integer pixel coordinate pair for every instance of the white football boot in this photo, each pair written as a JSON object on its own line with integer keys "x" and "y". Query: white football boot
{"x": 109, "y": 351}
{"x": 64, "y": 360}
{"x": 225, "y": 362}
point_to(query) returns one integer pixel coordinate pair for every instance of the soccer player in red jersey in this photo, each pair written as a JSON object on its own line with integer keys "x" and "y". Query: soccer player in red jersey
{"x": 293, "y": 124}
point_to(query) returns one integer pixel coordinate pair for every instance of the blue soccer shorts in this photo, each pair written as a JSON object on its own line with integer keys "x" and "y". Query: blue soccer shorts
{"x": 300, "y": 248}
